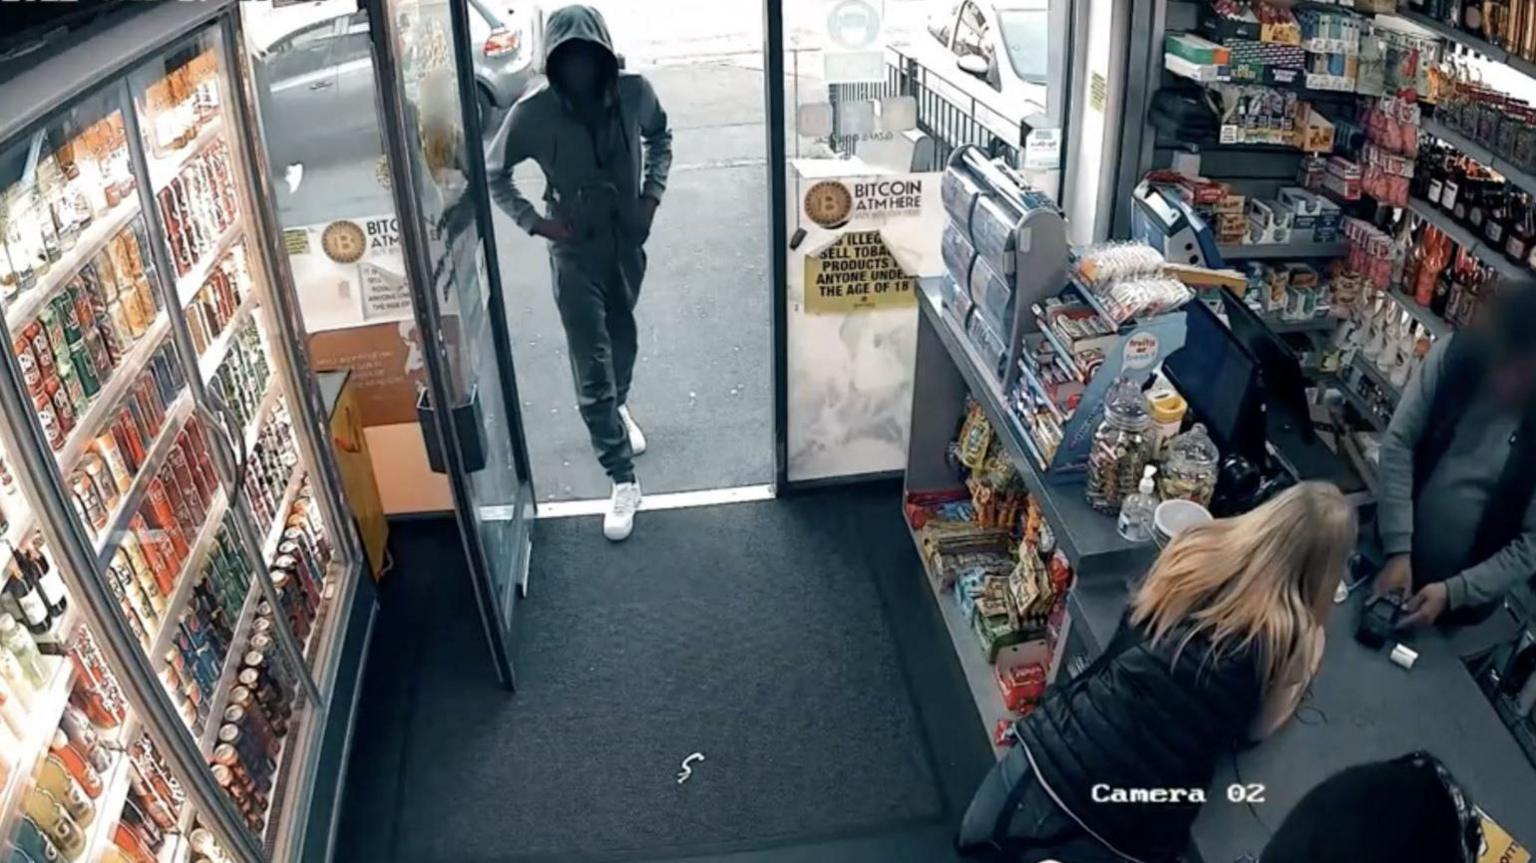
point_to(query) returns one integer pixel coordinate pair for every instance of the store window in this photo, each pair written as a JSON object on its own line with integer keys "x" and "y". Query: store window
{"x": 883, "y": 95}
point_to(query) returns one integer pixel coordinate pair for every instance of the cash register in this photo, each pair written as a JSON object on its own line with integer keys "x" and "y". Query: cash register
{"x": 1247, "y": 386}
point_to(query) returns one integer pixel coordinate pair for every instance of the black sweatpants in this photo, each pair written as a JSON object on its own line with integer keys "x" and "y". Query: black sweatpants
{"x": 598, "y": 315}
{"x": 1011, "y": 818}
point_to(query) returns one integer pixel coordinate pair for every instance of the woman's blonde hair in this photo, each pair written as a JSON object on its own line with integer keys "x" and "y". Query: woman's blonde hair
{"x": 1266, "y": 577}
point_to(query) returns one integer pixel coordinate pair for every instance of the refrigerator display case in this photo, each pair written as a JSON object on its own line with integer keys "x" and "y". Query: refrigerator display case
{"x": 182, "y": 587}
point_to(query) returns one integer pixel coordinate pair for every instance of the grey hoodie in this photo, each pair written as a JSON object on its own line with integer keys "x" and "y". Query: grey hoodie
{"x": 597, "y": 169}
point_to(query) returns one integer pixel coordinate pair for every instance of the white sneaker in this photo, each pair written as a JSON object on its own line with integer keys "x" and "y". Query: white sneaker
{"x": 636, "y": 436}
{"x": 619, "y": 523}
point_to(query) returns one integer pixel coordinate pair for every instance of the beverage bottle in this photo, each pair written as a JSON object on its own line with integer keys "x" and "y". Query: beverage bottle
{"x": 34, "y": 611}
{"x": 32, "y": 841}
{"x": 79, "y": 767}
{"x": 1450, "y": 186}
{"x": 13, "y": 701}
{"x": 15, "y": 639}
{"x": 1498, "y": 217}
{"x": 54, "y": 821}
{"x": 55, "y": 779}
{"x": 1522, "y": 229}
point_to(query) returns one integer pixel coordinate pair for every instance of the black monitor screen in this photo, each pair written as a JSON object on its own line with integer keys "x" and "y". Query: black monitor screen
{"x": 1285, "y": 387}
{"x": 1219, "y": 378}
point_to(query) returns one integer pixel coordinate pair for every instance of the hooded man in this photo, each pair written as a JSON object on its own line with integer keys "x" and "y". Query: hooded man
{"x": 602, "y": 140}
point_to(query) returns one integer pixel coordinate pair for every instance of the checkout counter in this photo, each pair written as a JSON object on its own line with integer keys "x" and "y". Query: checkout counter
{"x": 1361, "y": 707}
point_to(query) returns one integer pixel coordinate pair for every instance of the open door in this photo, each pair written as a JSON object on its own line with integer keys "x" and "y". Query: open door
{"x": 469, "y": 410}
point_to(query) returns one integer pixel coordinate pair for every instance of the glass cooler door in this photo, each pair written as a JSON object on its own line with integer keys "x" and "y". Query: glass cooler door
{"x": 96, "y": 405}
{"x": 245, "y": 631}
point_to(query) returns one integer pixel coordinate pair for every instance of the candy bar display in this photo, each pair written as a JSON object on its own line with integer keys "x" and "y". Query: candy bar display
{"x": 986, "y": 542}
{"x": 152, "y": 406}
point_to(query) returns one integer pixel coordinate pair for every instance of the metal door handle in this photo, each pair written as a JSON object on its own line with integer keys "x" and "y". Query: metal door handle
{"x": 322, "y": 85}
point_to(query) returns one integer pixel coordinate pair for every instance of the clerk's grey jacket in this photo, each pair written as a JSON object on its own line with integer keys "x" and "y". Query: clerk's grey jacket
{"x": 598, "y": 167}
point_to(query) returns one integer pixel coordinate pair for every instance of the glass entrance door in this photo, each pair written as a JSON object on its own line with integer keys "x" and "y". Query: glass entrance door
{"x": 469, "y": 407}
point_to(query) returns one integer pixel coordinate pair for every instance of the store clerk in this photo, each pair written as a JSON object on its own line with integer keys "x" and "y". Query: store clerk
{"x": 1457, "y": 523}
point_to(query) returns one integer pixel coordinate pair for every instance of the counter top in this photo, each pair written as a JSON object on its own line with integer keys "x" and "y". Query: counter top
{"x": 1089, "y": 539}
{"x": 1360, "y": 708}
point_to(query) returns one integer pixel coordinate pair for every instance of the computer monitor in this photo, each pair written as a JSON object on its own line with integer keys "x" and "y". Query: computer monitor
{"x": 1285, "y": 387}
{"x": 1219, "y": 378}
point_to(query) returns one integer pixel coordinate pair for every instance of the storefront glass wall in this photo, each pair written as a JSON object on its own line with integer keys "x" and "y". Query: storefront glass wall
{"x": 878, "y": 95}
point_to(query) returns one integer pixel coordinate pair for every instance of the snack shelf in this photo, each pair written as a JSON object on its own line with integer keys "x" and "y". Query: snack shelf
{"x": 227, "y": 672}
{"x": 1471, "y": 242}
{"x": 163, "y": 169}
{"x": 1273, "y": 251}
{"x": 109, "y": 398}
{"x": 980, "y": 676}
{"x": 43, "y": 722}
{"x": 115, "y": 787}
{"x": 1039, "y": 388}
{"x": 91, "y": 241}
{"x": 1064, "y": 357}
{"x": 187, "y": 286}
{"x": 117, "y": 522}
{"x": 1482, "y": 154}
{"x": 1085, "y": 536}
{"x": 186, "y": 578}
{"x": 218, "y": 348}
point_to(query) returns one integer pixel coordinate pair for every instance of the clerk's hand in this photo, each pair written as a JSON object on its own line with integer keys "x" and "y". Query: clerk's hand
{"x": 1397, "y": 575}
{"x": 557, "y": 230}
{"x": 1426, "y": 606}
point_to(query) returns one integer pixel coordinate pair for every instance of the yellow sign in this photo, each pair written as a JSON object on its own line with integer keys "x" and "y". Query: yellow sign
{"x": 856, "y": 273}
{"x": 1499, "y": 847}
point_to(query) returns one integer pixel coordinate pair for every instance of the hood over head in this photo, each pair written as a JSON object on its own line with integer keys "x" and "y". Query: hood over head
{"x": 578, "y": 23}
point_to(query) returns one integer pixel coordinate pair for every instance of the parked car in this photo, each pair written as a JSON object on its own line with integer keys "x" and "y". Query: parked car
{"x": 317, "y": 82}
{"x": 991, "y": 55}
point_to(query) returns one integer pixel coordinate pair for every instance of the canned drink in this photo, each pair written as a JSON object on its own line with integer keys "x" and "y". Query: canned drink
{"x": 97, "y": 352}
{"x": 89, "y": 503}
{"x": 106, "y": 444}
{"x": 30, "y": 374}
{"x": 266, "y": 693}
{"x": 41, "y": 349}
{"x": 85, "y": 369}
{"x": 69, "y": 382}
{"x": 62, "y": 307}
{"x": 96, "y": 474}
{"x": 130, "y": 443}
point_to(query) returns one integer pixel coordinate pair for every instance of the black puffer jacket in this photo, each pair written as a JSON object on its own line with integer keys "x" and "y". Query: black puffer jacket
{"x": 1141, "y": 718}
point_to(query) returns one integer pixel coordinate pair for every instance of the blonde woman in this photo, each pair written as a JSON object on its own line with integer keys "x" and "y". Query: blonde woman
{"x": 1215, "y": 650}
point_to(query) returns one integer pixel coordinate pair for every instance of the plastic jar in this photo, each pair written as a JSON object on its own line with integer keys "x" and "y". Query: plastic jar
{"x": 1190, "y": 466}
{"x": 1122, "y": 447}
{"x": 1167, "y": 408}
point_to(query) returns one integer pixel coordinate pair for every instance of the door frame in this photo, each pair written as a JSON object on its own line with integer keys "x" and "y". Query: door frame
{"x": 391, "y": 101}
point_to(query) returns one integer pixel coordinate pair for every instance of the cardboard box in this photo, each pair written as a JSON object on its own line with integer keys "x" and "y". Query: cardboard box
{"x": 1021, "y": 685}
{"x": 1268, "y": 222}
{"x": 1327, "y": 228}
{"x": 1201, "y": 52}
